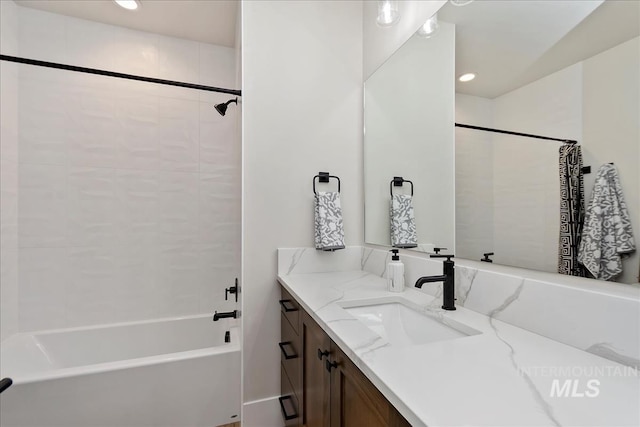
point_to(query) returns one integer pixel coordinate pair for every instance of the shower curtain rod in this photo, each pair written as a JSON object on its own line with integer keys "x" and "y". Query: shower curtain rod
{"x": 567, "y": 141}
{"x": 118, "y": 75}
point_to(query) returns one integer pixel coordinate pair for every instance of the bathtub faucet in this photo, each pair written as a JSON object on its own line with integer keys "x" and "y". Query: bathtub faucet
{"x": 217, "y": 316}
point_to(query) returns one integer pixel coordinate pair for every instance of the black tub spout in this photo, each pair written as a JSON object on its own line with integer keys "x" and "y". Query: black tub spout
{"x": 217, "y": 316}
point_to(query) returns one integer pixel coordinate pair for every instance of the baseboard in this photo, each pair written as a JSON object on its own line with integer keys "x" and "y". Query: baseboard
{"x": 262, "y": 413}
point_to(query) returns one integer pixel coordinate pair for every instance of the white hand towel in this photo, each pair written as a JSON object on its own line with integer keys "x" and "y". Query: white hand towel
{"x": 329, "y": 230}
{"x": 403, "y": 224}
{"x": 607, "y": 233}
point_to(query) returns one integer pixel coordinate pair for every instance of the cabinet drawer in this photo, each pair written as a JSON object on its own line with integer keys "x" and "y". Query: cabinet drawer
{"x": 290, "y": 309}
{"x": 289, "y": 404}
{"x": 291, "y": 353}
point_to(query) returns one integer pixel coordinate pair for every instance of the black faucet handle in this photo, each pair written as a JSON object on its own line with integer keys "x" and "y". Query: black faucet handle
{"x": 437, "y": 250}
{"x": 486, "y": 257}
{"x": 448, "y": 257}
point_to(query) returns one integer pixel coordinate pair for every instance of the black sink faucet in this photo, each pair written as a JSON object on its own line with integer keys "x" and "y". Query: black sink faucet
{"x": 448, "y": 280}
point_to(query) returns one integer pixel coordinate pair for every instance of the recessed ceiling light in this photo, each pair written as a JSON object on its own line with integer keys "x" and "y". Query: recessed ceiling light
{"x": 128, "y": 4}
{"x": 467, "y": 77}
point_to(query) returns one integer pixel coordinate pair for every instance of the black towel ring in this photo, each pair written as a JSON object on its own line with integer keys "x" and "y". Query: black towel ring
{"x": 324, "y": 177}
{"x": 397, "y": 181}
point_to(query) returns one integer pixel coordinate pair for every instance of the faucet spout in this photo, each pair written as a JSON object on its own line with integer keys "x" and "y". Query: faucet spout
{"x": 429, "y": 279}
{"x": 447, "y": 279}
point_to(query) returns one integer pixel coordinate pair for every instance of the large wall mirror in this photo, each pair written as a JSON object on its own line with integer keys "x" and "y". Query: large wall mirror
{"x": 567, "y": 70}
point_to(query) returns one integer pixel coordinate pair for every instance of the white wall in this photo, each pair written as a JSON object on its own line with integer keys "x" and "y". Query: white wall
{"x": 129, "y": 191}
{"x": 302, "y": 113}
{"x": 381, "y": 42}
{"x": 8, "y": 171}
{"x": 409, "y": 119}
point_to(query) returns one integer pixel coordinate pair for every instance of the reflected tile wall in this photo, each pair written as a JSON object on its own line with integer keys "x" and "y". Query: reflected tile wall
{"x": 129, "y": 192}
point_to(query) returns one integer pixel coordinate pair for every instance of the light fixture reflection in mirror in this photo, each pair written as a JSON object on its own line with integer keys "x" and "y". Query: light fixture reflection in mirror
{"x": 429, "y": 28}
{"x": 388, "y": 13}
{"x": 460, "y": 2}
{"x": 128, "y": 4}
{"x": 467, "y": 77}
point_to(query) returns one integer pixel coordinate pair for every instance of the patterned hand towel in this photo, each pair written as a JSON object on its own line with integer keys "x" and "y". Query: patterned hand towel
{"x": 607, "y": 230}
{"x": 403, "y": 224}
{"x": 329, "y": 234}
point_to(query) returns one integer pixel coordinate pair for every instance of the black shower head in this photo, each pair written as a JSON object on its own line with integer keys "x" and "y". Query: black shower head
{"x": 222, "y": 108}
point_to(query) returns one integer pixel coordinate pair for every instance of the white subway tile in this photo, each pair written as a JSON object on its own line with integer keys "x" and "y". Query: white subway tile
{"x": 91, "y": 44}
{"x": 92, "y": 207}
{"x": 178, "y": 278}
{"x": 8, "y": 205}
{"x": 217, "y": 68}
{"x": 219, "y": 145}
{"x": 44, "y": 122}
{"x": 42, "y": 35}
{"x": 44, "y": 277}
{"x": 178, "y": 135}
{"x": 138, "y": 128}
{"x": 178, "y": 59}
{"x": 42, "y": 206}
{"x": 219, "y": 203}
{"x": 9, "y": 302}
{"x": 135, "y": 283}
{"x": 93, "y": 133}
{"x": 136, "y": 52}
{"x": 138, "y": 207}
{"x": 91, "y": 298}
{"x": 178, "y": 207}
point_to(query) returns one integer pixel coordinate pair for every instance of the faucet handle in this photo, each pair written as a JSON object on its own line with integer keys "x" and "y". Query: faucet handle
{"x": 448, "y": 257}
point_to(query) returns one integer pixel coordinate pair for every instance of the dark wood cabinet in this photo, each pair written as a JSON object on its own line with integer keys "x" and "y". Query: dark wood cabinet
{"x": 290, "y": 361}
{"x": 321, "y": 387}
{"x": 355, "y": 401}
{"x": 316, "y": 379}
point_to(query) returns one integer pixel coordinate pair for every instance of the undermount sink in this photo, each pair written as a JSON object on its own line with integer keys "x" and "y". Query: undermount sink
{"x": 401, "y": 325}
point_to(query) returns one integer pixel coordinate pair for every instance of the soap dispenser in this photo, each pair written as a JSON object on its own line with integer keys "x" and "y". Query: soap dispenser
{"x": 395, "y": 273}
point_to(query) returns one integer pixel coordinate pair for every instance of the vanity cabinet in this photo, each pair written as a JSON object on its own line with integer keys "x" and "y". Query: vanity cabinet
{"x": 321, "y": 384}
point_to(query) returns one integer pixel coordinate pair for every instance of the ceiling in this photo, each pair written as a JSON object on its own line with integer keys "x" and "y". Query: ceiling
{"x": 509, "y": 44}
{"x": 208, "y": 21}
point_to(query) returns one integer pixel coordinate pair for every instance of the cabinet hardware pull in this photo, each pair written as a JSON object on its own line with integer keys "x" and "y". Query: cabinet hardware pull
{"x": 287, "y": 417}
{"x": 330, "y": 365}
{"x": 284, "y": 302}
{"x": 322, "y": 354}
{"x": 284, "y": 352}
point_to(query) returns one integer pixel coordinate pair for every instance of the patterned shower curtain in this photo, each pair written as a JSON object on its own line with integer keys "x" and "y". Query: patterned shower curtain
{"x": 571, "y": 210}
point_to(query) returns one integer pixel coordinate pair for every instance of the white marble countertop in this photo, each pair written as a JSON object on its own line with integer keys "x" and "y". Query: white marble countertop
{"x": 500, "y": 377}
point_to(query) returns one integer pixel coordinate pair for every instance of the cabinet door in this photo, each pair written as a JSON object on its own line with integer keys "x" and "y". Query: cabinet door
{"x": 355, "y": 401}
{"x": 316, "y": 378}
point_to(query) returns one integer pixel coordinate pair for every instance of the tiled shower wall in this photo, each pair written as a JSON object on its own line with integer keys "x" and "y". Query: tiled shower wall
{"x": 129, "y": 192}
{"x": 8, "y": 172}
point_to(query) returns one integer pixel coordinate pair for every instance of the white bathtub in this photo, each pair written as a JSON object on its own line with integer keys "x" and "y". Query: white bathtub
{"x": 168, "y": 372}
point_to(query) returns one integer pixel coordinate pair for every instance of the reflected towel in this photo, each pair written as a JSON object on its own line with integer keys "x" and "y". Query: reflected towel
{"x": 403, "y": 224}
{"x": 607, "y": 233}
{"x": 329, "y": 233}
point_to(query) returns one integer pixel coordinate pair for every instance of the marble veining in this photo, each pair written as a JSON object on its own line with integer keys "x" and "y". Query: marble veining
{"x": 464, "y": 281}
{"x": 607, "y": 351}
{"x": 295, "y": 257}
{"x": 491, "y": 377}
{"x": 512, "y": 356}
